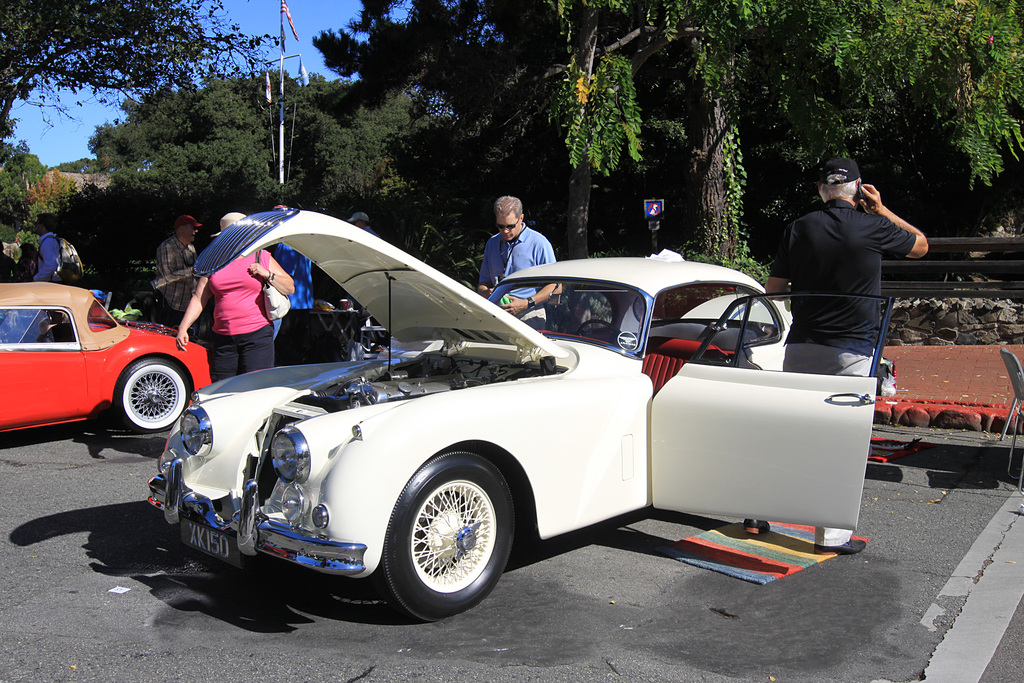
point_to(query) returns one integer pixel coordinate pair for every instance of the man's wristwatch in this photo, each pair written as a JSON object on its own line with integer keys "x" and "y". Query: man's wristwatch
{"x": 530, "y": 303}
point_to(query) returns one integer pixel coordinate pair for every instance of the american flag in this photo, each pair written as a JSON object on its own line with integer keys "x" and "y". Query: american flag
{"x": 284, "y": 11}
{"x": 270, "y": 97}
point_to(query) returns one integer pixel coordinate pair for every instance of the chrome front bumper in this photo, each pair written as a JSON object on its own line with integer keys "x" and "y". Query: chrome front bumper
{"x": 254, "y": 531}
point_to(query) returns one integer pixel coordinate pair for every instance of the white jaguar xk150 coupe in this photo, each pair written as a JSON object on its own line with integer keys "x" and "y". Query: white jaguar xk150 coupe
{"x": 639, "y": 382}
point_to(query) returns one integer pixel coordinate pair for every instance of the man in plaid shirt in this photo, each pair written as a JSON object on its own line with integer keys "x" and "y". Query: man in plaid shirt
{"x": 174, "y": 278}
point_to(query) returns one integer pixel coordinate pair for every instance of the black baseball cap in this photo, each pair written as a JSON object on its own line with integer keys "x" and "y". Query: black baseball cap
{"x": 839, "y": 172}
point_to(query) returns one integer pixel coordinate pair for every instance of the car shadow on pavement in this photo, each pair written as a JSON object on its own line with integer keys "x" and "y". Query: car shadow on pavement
{"x": 614, "y": 533}
{"x": 949, "y": 466}
{"x": 132, "y": 540}
{"x": 98, "y": 436}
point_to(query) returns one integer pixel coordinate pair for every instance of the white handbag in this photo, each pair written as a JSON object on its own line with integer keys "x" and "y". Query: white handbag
{"x": 276, "y": 303}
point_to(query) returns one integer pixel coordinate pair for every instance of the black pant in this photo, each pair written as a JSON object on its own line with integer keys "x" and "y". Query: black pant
{"x": 234, "y": 354}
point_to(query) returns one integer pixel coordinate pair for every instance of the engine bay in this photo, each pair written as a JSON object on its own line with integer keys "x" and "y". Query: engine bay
{"x": 422, "y": 376}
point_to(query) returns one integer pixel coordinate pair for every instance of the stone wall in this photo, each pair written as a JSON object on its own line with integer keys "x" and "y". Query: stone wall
{"x": 943, "y": 322}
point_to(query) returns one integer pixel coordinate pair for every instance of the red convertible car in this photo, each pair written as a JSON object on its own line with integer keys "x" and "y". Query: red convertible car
{"x": 63, "y": 358}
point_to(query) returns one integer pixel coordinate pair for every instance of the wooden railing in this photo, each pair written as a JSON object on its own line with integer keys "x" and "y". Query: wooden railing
{"x": 950, "y": 257}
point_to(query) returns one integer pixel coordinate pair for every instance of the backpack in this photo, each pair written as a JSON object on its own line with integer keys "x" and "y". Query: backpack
{"x": 69, "y": 265}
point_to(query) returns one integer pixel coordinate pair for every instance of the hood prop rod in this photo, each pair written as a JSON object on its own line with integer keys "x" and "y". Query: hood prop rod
{"x": 391, "y": 322}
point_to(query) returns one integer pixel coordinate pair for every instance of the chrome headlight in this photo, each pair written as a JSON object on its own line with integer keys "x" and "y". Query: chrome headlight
{"x": 293, "y": 503}
{"x": 196, "y": 431}
{"x": 291, "y": 455}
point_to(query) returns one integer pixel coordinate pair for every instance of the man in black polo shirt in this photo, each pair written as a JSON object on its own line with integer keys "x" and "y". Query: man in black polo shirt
{"x": 838, "y": 249}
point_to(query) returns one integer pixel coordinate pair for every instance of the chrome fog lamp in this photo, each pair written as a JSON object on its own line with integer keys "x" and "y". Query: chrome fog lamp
{"x": 320, "y": 516}
{"x": 291, "y": 455}
{"x": 196, "y": 431}
{"x": 293, "y": 503}
{"x": 164, "y": 461}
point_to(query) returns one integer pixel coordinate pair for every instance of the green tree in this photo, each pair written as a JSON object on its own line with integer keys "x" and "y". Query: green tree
{"x": 212, "y": 150}
{"x": 338, "y": 157}
{"x": 194, "y": 144}
{"x": 128, "y": 47}
{"x": 597, "y": 104}
{"x": 19, "y": 171}
{"x": 474, "y": 76}
{"x": 82, "y": 166}
{"x": 823, "y": 69}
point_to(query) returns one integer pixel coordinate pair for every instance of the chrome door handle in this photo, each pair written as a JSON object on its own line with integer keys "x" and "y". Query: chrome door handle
{"x": 861, "y": 399}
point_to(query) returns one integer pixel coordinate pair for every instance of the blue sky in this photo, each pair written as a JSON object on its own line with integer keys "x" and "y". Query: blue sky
{"x": 62, "y": 139}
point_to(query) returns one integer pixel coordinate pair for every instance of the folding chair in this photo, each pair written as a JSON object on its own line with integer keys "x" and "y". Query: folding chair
{"x": 1016, "y": 373}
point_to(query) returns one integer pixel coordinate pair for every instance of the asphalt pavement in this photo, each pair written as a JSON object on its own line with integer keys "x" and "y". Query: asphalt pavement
{"x": 95, "y": 586}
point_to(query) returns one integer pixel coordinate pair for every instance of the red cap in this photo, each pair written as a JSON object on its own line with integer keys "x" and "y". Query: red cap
{"x": 185, "y": 219}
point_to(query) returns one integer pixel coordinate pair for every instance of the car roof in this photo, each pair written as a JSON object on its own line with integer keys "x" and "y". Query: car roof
{"x": 651, "y": 275}
{"x": 76, "y": 299}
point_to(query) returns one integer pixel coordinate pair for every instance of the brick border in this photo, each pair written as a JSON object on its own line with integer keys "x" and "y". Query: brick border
{"x": 978, "y": 417}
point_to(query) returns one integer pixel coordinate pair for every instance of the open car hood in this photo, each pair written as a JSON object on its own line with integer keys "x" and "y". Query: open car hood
{"x": 414, "y": 301}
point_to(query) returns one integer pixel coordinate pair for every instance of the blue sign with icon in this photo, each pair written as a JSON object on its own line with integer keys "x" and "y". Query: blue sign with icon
{"x": 653, "y": 208}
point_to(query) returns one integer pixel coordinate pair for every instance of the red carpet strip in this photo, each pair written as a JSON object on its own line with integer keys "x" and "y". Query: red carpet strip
{"x": 886, "y": 450}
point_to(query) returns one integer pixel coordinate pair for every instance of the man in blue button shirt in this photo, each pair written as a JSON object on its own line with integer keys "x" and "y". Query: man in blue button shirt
{"x": 515, "y": 248}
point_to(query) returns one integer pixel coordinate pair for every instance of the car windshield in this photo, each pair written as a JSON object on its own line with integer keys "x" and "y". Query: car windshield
{"x": 609, "y": 314}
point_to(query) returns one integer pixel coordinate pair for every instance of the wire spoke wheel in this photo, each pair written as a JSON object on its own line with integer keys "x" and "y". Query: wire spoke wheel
{"x": 153, "y": 396}
{"x": 449, "y": 537}
{"x": 453, "y": 536}
{"x": 150, "y": 394}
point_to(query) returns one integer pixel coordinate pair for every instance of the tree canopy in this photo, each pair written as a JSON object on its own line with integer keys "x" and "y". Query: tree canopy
{"x": 112, "y": 49}
{"x": 20, "y": 170}
{"x": 722, "y": 109}
{"x": 213, "y": 149}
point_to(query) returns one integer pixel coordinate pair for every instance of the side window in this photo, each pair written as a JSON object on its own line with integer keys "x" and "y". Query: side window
{"x": 762, "y": 324}
{"x": 742, "y": 327}
{"x": 688, "y": 312}
{"x": 99, "y": 319}
{"x": 58, "y": 327}
{"x": 690, "y": 301}
{"x": 22, "y": 326}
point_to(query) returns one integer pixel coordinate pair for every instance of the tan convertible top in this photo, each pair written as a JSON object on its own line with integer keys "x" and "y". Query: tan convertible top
{"x": 79, "y": 301}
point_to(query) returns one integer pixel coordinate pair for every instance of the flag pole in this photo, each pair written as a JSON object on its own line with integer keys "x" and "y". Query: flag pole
{"x": 280, "y": 173}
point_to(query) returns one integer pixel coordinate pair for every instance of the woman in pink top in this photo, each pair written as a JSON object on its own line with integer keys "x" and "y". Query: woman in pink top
{"x": 243, "y": 336}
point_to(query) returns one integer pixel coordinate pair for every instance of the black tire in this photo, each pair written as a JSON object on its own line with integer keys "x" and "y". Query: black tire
{"x": 449, "y": 537}
{"x": 150, "y": 394}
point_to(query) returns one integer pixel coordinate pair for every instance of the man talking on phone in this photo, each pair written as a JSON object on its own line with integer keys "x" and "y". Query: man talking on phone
{"x": 837, "y": 249}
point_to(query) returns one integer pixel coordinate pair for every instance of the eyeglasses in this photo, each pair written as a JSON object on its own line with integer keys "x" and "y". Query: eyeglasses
{"x": 511, "y": 226}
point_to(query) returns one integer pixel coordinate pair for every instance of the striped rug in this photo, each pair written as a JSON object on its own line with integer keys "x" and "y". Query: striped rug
{"x": 785, "y": 550}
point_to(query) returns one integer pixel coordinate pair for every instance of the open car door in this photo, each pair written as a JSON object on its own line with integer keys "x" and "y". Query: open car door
{"x": 731, "y": 439}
